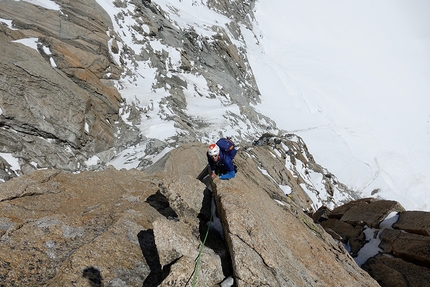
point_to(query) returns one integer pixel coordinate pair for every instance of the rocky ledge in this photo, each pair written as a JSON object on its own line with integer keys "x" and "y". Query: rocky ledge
{"x": 146, "y": 228}
{"x": 172, "y": 226}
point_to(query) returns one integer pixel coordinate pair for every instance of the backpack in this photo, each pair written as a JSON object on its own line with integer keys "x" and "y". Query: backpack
{"x": 227, "y": 146}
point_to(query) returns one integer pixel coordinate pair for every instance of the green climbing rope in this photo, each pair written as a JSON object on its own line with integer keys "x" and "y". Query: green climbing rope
{"x": 196, "y": 268}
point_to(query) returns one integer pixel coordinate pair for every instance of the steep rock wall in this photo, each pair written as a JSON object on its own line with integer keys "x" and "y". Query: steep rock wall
{"x": 58, "y": 105}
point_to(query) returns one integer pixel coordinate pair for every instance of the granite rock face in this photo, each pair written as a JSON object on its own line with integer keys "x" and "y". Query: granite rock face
{"x": 272, "y": 242}
{"x": 146, "y": 228}
{"x": 62, "y": 225}
{"x": 58, "y": 104}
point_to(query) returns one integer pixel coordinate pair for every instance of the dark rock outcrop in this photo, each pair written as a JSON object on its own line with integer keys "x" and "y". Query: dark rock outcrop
{"x": 403, "y": 258}
{"x": 395, "y": 272}
{"x": 346, "y": 233}
{"x": 417, "y": 222}
{"x": 410, "y": 247}
{"x": 367, "y": 211}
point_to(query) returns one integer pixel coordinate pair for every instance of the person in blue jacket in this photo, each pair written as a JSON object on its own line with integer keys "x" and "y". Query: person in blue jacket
{"x": 220, "y": 164}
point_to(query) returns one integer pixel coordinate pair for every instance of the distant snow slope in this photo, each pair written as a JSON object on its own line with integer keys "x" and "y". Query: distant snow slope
{"x": 352, "y": 79}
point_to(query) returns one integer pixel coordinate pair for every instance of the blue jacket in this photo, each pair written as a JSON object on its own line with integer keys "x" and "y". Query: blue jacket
{"x": 224, "y": 166}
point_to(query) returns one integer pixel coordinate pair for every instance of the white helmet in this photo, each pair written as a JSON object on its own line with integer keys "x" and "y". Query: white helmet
{"x": 213, "y": 150}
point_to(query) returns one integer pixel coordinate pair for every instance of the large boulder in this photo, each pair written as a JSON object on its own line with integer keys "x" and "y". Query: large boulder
{"x": 402, "y": 254}
{"x": 408, "y": 246}
{"x": 273, "y": 242}
{"x": 112, "y": 228}
{"x": 366, "y": 211}
{"x": 417, "y": 222}
{"x": 395, "y": 272}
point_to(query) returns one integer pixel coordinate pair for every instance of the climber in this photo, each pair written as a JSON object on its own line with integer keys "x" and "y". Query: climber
{"x": 221, "y": 161}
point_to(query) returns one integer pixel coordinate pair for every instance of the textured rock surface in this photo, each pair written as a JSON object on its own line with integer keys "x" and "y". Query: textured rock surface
{"x": 287, "y": 161}
{"x": 408, "y": 246}
{"x": 417, "y": 222}
{"x": 135, "y": 228}
{"x": 273, "y": 243}
{"x": 57, "y": 115}
{"x": 403, "y": 258}
{"x": 395, "y": 272}
{"x": 58, "y": 225}
{"x": 368, "y": 211}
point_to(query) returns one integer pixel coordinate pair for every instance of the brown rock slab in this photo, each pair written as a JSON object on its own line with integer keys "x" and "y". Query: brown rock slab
{"x": 410, "y": 247}
{"x": 395, "y": 272}
{"x": 371, "y": 213}
{"x": 338, "y": 212}
{"x": 417, "y": 222}
{"x": 273, "y": 246}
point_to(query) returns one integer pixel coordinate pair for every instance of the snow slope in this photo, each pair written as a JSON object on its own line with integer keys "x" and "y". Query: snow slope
{"x": 352, "y": 79}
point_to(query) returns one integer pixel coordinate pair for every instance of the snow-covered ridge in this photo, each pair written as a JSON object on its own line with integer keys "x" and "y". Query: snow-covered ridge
{"x": 186, "y": 74}
{"x": 316, "y": 77}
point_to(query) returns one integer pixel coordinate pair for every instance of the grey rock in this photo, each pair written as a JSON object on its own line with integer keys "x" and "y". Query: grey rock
{"x": 395, "y": 272}
{"x": 58, "y": 116}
